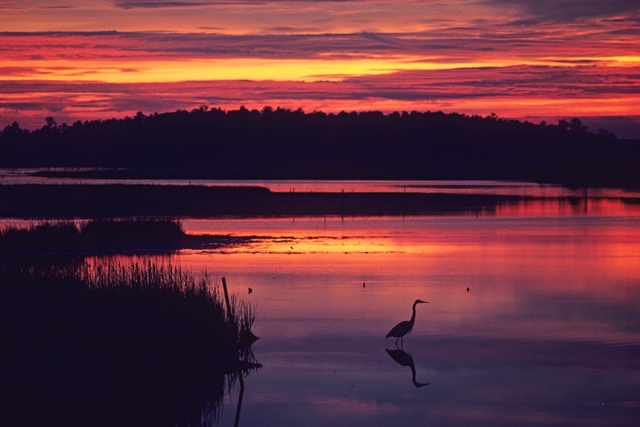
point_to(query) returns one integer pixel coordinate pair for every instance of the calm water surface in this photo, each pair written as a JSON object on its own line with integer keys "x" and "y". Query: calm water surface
{"x": 547, "y": 334}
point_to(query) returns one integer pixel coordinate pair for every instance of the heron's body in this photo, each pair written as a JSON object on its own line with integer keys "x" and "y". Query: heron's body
{"x": 401, "y": 329}
{"x": 404, "y": 327}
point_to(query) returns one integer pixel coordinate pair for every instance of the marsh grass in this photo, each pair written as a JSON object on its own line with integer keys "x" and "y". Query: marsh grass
{"x": 41, "y": 236}
{"x": 111, "y": 342}
{"x": 131, "y": 232}
{"x": 93, "y": 236}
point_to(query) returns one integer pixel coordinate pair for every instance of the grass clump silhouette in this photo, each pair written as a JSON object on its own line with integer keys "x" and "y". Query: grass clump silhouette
{"x": 41, "y": 236}
{"x": 110, "y": 342}
{"x": 131, "y": 232}
{"x": 96, "y": 235}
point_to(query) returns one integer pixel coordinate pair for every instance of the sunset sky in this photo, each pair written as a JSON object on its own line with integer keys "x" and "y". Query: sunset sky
{"x": 524, "y": 59}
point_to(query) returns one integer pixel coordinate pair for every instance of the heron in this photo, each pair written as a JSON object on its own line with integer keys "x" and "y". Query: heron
{"x": 404, "y": 327}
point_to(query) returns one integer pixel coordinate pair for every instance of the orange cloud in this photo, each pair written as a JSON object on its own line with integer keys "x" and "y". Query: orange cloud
{"x": 465, "y": 56}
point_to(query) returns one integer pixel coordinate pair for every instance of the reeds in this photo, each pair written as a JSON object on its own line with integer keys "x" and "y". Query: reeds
{"x": 110, "y": 342}
{"x": 42, "y": 236}
{"x": 94, "y": 236}
{"x": 131, "y": 233}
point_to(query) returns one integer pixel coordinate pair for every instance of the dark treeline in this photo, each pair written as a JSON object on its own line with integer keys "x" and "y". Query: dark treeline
{"x": 280, "y": 143}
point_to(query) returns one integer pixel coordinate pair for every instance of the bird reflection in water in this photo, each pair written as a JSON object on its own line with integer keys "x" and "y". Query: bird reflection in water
{"x": 404, "y": 327}
{"x": 244, "y": 365}
{"x": 403, "y": 358}
{"x": 245, "y": 362}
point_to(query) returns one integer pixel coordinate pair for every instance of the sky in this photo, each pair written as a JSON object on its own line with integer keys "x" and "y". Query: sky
{"x": 522, "y": 59}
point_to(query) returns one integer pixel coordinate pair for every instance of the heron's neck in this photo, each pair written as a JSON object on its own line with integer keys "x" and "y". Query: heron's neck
{"x": 413, "y": 316}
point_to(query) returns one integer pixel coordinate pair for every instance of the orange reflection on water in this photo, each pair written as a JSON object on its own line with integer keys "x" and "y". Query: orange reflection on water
{"x": 568, "y": 277}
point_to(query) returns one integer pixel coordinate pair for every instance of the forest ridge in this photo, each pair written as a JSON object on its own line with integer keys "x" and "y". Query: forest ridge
{"x": 285, "y": 144}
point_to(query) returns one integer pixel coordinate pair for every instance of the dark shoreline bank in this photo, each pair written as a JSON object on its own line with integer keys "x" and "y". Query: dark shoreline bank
{"x": 434, "y": 173}
{"x": 121, "y": 200}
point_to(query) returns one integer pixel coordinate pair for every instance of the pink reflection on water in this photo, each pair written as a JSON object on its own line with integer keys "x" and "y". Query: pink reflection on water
{"x": 540, "y": 277}
{"x": 552, "y": 305}
{"x": 568, "y": 207}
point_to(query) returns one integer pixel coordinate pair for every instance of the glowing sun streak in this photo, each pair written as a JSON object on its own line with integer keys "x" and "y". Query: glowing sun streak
{"x": 304, "y": 70}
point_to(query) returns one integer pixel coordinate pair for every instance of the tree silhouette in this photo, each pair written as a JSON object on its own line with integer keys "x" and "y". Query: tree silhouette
{"x": 280, "y": 143}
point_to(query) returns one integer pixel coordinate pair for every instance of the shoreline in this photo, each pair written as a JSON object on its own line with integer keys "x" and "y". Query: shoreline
{"x": 49, "y": 201}
{"x": 184, "y": 174}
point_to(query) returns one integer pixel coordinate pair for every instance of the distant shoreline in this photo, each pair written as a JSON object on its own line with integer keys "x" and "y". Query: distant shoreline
{"x": 120, "y": 200}
{"x": 184, "y": 174}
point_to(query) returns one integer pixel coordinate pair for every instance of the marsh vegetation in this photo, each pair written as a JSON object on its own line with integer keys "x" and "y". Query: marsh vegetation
{"x": 104, "y": 341}
{"x": 103, "y": 236}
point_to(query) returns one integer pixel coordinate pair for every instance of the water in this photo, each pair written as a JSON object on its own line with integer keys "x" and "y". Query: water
{"x": 547, "y": 334}
{"x": 533, "y": 314}
{"x": 472, "y": 187}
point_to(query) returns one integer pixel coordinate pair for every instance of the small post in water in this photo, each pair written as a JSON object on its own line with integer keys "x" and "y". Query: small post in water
{"x": 226, "y": 298}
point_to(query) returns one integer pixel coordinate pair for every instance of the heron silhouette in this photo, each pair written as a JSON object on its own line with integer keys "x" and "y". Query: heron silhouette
{"x": 404, "y": 327}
